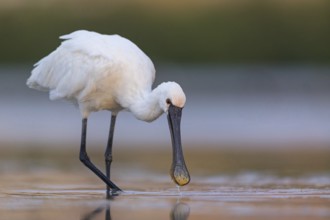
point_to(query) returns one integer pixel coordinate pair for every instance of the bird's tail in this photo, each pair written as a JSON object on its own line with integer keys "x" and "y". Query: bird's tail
{"x": 35, "y": 80}
{"x": 41, "y": 76}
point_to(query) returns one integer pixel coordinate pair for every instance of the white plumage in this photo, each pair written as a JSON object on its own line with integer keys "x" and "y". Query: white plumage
{"x": 103, "y": 72}
{"x": 109, "y": 72}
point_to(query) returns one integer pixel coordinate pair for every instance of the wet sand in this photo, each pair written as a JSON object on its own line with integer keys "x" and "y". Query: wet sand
{"x": 225, "y": 184}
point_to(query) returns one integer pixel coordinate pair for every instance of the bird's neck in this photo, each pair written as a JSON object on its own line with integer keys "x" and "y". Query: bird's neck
{"x": 147, "y": 107}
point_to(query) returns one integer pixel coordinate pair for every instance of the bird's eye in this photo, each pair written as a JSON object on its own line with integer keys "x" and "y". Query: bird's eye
{"x": 168, "y": 101}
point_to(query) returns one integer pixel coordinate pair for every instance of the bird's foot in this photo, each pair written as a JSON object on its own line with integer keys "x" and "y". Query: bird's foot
{"x": 111, "y": 193}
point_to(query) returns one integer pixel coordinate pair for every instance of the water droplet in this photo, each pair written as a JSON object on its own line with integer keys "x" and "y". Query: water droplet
{"x": 178, "y": 187}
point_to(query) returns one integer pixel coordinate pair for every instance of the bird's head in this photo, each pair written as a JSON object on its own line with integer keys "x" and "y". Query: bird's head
{"x": 173, "y": 102}
{"x": 172, "y": 95}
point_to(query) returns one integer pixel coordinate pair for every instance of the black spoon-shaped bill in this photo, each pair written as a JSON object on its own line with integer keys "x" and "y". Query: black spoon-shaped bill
{"x": 179, "y": 171}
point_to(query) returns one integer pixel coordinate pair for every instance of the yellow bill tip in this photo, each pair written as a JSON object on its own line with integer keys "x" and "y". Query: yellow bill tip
{"x": 180, "y": 175}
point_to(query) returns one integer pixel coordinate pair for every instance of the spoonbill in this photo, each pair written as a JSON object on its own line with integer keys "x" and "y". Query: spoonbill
{"x": 108, "y": 72}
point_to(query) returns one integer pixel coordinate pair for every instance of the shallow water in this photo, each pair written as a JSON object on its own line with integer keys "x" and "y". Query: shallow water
{"x": 54, "y": 185}
{"x": 205, "y": 199}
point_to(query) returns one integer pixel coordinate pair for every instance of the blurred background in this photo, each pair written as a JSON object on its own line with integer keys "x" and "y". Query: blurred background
{"x": 256, "y": 74}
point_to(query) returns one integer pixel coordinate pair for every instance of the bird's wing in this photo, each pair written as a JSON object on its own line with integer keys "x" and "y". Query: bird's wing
{"x": 88, "y": 42}
{"x": 82, "y": 57}
{"x": 68, "y": 70}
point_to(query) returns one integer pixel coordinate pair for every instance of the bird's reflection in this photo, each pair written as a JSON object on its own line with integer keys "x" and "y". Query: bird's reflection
{"x": 180, "y": 211}
{"x": 93, "y": 214}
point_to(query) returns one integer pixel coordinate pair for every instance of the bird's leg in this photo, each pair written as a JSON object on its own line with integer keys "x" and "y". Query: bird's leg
{"x": 108, "y": 151}
{"x": 85, "y": 159}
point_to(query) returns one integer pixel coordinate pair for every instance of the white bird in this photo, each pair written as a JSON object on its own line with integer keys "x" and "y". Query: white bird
{"x": 109, "y": 72}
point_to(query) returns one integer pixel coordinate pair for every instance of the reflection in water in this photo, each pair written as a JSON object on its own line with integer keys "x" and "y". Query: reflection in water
{"x": 180, "y": 211}
{"x": 92, "y": 215}
{"x": 107, "y": 212}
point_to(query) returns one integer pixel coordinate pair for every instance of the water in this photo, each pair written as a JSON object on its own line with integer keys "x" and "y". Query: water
{"x": 199, "y": 200}
{"x": 55, "y": 185}
{"x": 207, "y": 200}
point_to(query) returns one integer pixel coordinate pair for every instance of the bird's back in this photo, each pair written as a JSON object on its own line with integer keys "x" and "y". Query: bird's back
{"x": 88, "y": 65}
